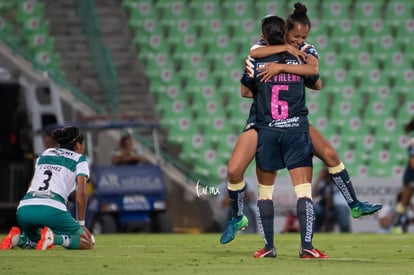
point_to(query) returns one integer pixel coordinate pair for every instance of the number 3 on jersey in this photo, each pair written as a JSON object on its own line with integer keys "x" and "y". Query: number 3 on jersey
{"x": 48, "y": 174}
{"x": 279, "y": 108}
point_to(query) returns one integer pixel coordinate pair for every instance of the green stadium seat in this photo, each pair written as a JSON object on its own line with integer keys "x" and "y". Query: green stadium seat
{"x": 167, "y": 91}
{"x": 394, "y": 64}
{"x": 171, "y": 109}
{"x": 213, "y": 167}
{"x": 378, "y": 93}
{"x": 378, "y": 111}
{"x": 188, "y": 63}
{"x": 214, "y": 127}
{"x": 6, "y": 30}
{"x": 380, "y": 164}
{"x": 178, "y": 29}
{"x": 178, "y": 132}
{"x": 227, "y": 62}
{"x": 371, "y": 77}
{"x": 374, "y": 29}
{"x": 265, "y": 7}
{"x": 362, "y": 63}
{"x": 334, "y": 78}
{"x": 172, "y": 11}
{"x": 192, "y": 145}
{"x": 384, "y": 46}
{"x": 155, "y": 65}
{"x": 204, "y": 12}
{"x": 144, "y": 28}
{"x": 27, "y": 10}
{"x": 222, "y": 44}
{"x": 200, "y": 78}
{"x": 366, "y": 11}
{"x": 407, "y": 108}
{"x": 188, "y": 46}
{"x": 141, "y": 13}
{"x": 48, "y": 59}
{"x": 324, "y": 44}
{"x": 332, "y": 10}
{"x": 206, "y": 110}
{"x": 246, "y": 33}
{"x": 404, "y": 79}
{"x": 211, "y": 31}
{"x": 398, "y": 9}
{"x": 346, "y": 109}
{"x": 352, "y": 47}
{"x": 345, "y": 28}
{"x": 154, "y": 44}
{"x": 236, "y": 10}
{"x": 40, "y": 41}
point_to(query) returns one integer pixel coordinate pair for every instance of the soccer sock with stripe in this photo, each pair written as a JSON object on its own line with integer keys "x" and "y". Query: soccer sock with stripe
{"x": 24, "y": 242}
{"x": 265, "y": 219}
{"x": 341, "y": 178}
{"x": 306, "y": 216}
{"x": 236, "y": 194}
{"x": 63, "y": 240}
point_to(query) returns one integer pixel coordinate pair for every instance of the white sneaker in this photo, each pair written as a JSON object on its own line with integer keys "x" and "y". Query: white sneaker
{"x": 46, "y": 239}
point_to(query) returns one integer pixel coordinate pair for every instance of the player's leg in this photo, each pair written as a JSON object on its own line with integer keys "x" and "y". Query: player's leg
{"x": 401, "y": 208}
{"x": 59, "y": 227}
{"x": 339, "y": 174}
{"x": 297, "y": 154}
{"x": 301, "y": 179}
{"x": 69, "y": 233}
{"x": 268, "y": 161}
{"x": 240, "y": 159}
{"x": 242, "y": 155}
{"x": 266, "y": 212}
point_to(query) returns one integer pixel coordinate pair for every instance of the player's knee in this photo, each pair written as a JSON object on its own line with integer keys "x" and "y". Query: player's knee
{"x": 234, "y": 174}
{"x": 330, "y": 157}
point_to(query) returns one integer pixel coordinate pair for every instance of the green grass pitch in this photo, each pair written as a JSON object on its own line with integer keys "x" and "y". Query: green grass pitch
{"x": 203, "y": 254}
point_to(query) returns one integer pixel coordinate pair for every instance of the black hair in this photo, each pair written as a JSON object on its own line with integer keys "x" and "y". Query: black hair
{"x": 274, "y": 29}
{"x": 409, "y": 126}
{"x": 67, "y": 137}
{"x": 298, "y": 16}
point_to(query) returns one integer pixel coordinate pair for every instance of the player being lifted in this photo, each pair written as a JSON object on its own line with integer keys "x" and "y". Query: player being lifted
{"x": 298, "y": 27}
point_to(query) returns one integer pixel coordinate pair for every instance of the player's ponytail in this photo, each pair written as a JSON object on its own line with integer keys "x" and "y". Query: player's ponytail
{"x": 299, "y": 15}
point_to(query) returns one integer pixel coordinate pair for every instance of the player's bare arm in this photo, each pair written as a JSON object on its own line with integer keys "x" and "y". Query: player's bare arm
{"x": 272, "y": 68}
{"x": 259, "y": 51}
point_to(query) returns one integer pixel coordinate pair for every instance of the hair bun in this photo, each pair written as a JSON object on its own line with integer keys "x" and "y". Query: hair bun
{"x": 300, "y": 9}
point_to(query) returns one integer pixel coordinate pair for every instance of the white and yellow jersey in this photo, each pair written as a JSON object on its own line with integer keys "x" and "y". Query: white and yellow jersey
{"x": 55, "y": 178}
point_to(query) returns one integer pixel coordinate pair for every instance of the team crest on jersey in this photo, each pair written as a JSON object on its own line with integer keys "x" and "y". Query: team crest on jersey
{"x": 260, "y": 65}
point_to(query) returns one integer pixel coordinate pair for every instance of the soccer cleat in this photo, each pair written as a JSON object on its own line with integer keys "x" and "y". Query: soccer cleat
{"x": 234, "y": 226}
{"x": 263, "y": 253}
{"x": 363, "y": 209}
{"x": 312, "y": 254}
{"x": 46, "y": 239}
{"x": 11, "y": 240}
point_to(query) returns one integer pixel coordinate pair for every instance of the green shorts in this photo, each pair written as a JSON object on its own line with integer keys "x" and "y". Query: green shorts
{"x": 32, "y": 218}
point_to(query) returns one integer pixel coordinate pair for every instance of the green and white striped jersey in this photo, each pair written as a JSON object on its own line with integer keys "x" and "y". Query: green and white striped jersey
{"x": 55, "y": 177}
